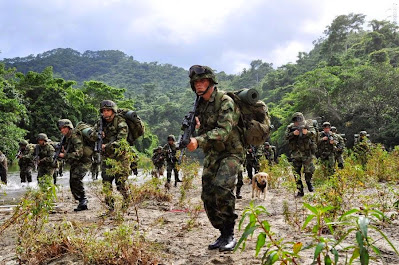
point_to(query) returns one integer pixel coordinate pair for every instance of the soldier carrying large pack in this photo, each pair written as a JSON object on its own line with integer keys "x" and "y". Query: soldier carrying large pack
{"x": 25, "y": 161}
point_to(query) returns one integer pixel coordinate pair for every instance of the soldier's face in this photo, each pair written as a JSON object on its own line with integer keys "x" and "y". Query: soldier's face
{"x": 108, "y": 114}
{"x": 326, "y": 129}
{"x": 41, "y": 142}
{"x": 64, "y": 130}
{"x": 201, "y": 85}
{"x": 170, "y": 141}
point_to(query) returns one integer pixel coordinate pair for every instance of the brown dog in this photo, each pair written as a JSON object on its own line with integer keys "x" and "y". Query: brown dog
{"x": 259, "y": 184}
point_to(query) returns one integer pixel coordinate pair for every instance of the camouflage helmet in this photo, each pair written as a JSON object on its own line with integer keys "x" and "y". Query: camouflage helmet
{"x": 42, "y": 136}
{"x": 108, "y": 104}
{"x": 23, "y": 142}
{"x": 197, "y": 72}
{"x": 363, "y": 133}
{"x": 159, "y": 147}
{"x": 171, "y": 137}
{"x": 267, "y": 144}
{"x": 298, "y": 116}
{"x": 333, "y": 128}
{"x": 326, "y": 124}
{"x": 65, "y": 123}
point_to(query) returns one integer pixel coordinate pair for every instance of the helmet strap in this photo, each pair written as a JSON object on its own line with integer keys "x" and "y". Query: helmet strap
{"x": 206, "y": 90}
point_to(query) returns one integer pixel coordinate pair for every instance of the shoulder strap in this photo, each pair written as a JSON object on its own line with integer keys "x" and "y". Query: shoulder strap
{"x": 218, "y": 99}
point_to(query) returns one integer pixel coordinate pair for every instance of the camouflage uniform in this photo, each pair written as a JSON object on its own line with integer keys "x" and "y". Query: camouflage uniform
{"x": 79, "y": 162}
{"x": 95, "y": 165}
{"x": 25, "y": 161}
{"x": 254, "y": 153}
{"x": 362, "y": 148}
{"x": 158, "y": 159}
{"x": 327, "y": 149}
{"x": 340, "y": 147}
{"x": 57, "y": 162}
{"x": 114, "y": 132}
{"x": 171, "y": 160}
{"x": 302, "y": 149}
{"x": 268, "y": 151}
{"x": 220, "y": 140}
{"x": 44, "y": 156}
{"x": 3, "y": 168}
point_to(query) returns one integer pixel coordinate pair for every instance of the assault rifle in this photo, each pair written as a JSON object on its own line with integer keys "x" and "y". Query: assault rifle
{"x": 170, "y": 154}
{"x": 300, "y": 127}
{"x": 253, "y": 154}
{"x": 58, "y": 149}
{"x": 18, "y": 154}
{"x": 98, "y": 146}
{"x": 188, "y": 127}
{"x": 329, "y": 136}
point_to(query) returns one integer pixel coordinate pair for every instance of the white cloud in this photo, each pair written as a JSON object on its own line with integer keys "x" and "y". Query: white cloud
{"x": 287, "y": 53}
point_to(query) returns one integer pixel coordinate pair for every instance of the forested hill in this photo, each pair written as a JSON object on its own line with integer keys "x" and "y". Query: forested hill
{"x": 350, "y": 78}
{"x": 112, "y": 67}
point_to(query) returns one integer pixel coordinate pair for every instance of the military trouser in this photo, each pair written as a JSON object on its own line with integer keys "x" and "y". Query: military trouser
{"x": 133, "y": 167}
{"x": 339, "y": 159}
{"x": 159, "y": 170}
{"x": 44, "y": 170}
{"x": 308, "y": 168}
{"x": 328, "y": 163}
{"x": 120, "y": 181}
{"x": 251, "y": 166}
{"x": 76, "y": 175}
{"x": 218, "y": 181}
{"x": 95, "y": 169}
{"x": 26, "y": 174}
{"x": 240, "y": 178}
{"x": 169, "y": 169}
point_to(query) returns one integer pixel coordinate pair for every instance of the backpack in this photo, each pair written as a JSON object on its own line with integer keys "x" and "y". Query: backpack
{"x": 136, "y": 126}
{"x": 254, "y": 123}
{"x": 88, "y": 145}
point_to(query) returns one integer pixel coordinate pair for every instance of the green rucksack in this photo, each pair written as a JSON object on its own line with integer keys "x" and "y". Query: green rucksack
{"x": 136, "y": 126}
{"x": 254, "y": 123}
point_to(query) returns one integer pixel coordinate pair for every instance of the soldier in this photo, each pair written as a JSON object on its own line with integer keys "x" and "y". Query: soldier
{"x": 3, "y": 168}
{"x": 158, "y": 159}
{"x": 326, "y": 147}
{"x": 133, "y": 165}
{"x": 269, "y": 153}
{"x": 114, "y": 130}
{"x": 300, "y": 135}
{"x": 362, "y": 147}
{"x": 171, "y": 161}
{"x": 25, "y": 161}
{"x": 217, "y": 117}
{"x": 44, "y": 153}
{"x": 254, "y": 153}
{"x": 73, "y": 153}
{"x": 340, "y": 147}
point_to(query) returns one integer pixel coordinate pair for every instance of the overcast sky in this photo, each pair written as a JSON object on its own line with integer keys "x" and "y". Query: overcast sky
{"x": 224, "y": 34}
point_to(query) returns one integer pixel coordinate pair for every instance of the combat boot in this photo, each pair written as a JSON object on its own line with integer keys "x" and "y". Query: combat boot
{"x": 340, "y": 165}
{"x": 228, "y": 242}
{"x": 238, "y": 195}
{"x": 82, "y": 205}
{"x": 217, "y": 242}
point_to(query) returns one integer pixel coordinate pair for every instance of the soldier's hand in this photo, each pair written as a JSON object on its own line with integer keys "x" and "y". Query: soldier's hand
{"x": 304, "y": 131}
{"x": 102, "y": 134}
{"x": 61, "y": 155}
{"x": 296, "y": 132}
{"x": 325, "y": 138}
{"x": 103, "y": 147}
{"x": 192, "y": 145}
{"x": 332, "y": 141}
{"x": 197, "y": 123}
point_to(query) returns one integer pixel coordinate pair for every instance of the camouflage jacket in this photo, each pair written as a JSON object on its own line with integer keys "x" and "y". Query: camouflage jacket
{"x": 325, "y": 148}
{"x": 26, "y": 156}
{"x": 269, "y": 153}
{"x": 169, "y": 152}
{"x": 255, "y": 155}
{"x": 44, "y": 154}
{"x": 218, "y": 132}
{"x": 73, "y": 147}
{"x": 363, "y": 145}
{"x": 303, "y": 143}
{"x": 114, "y": 132}
{"x": 340, "y": 143}
{"x": 158, "y": 159}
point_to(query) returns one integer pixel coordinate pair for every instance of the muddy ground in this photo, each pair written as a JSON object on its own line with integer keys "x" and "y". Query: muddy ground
{"x": 166, "y": 224}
